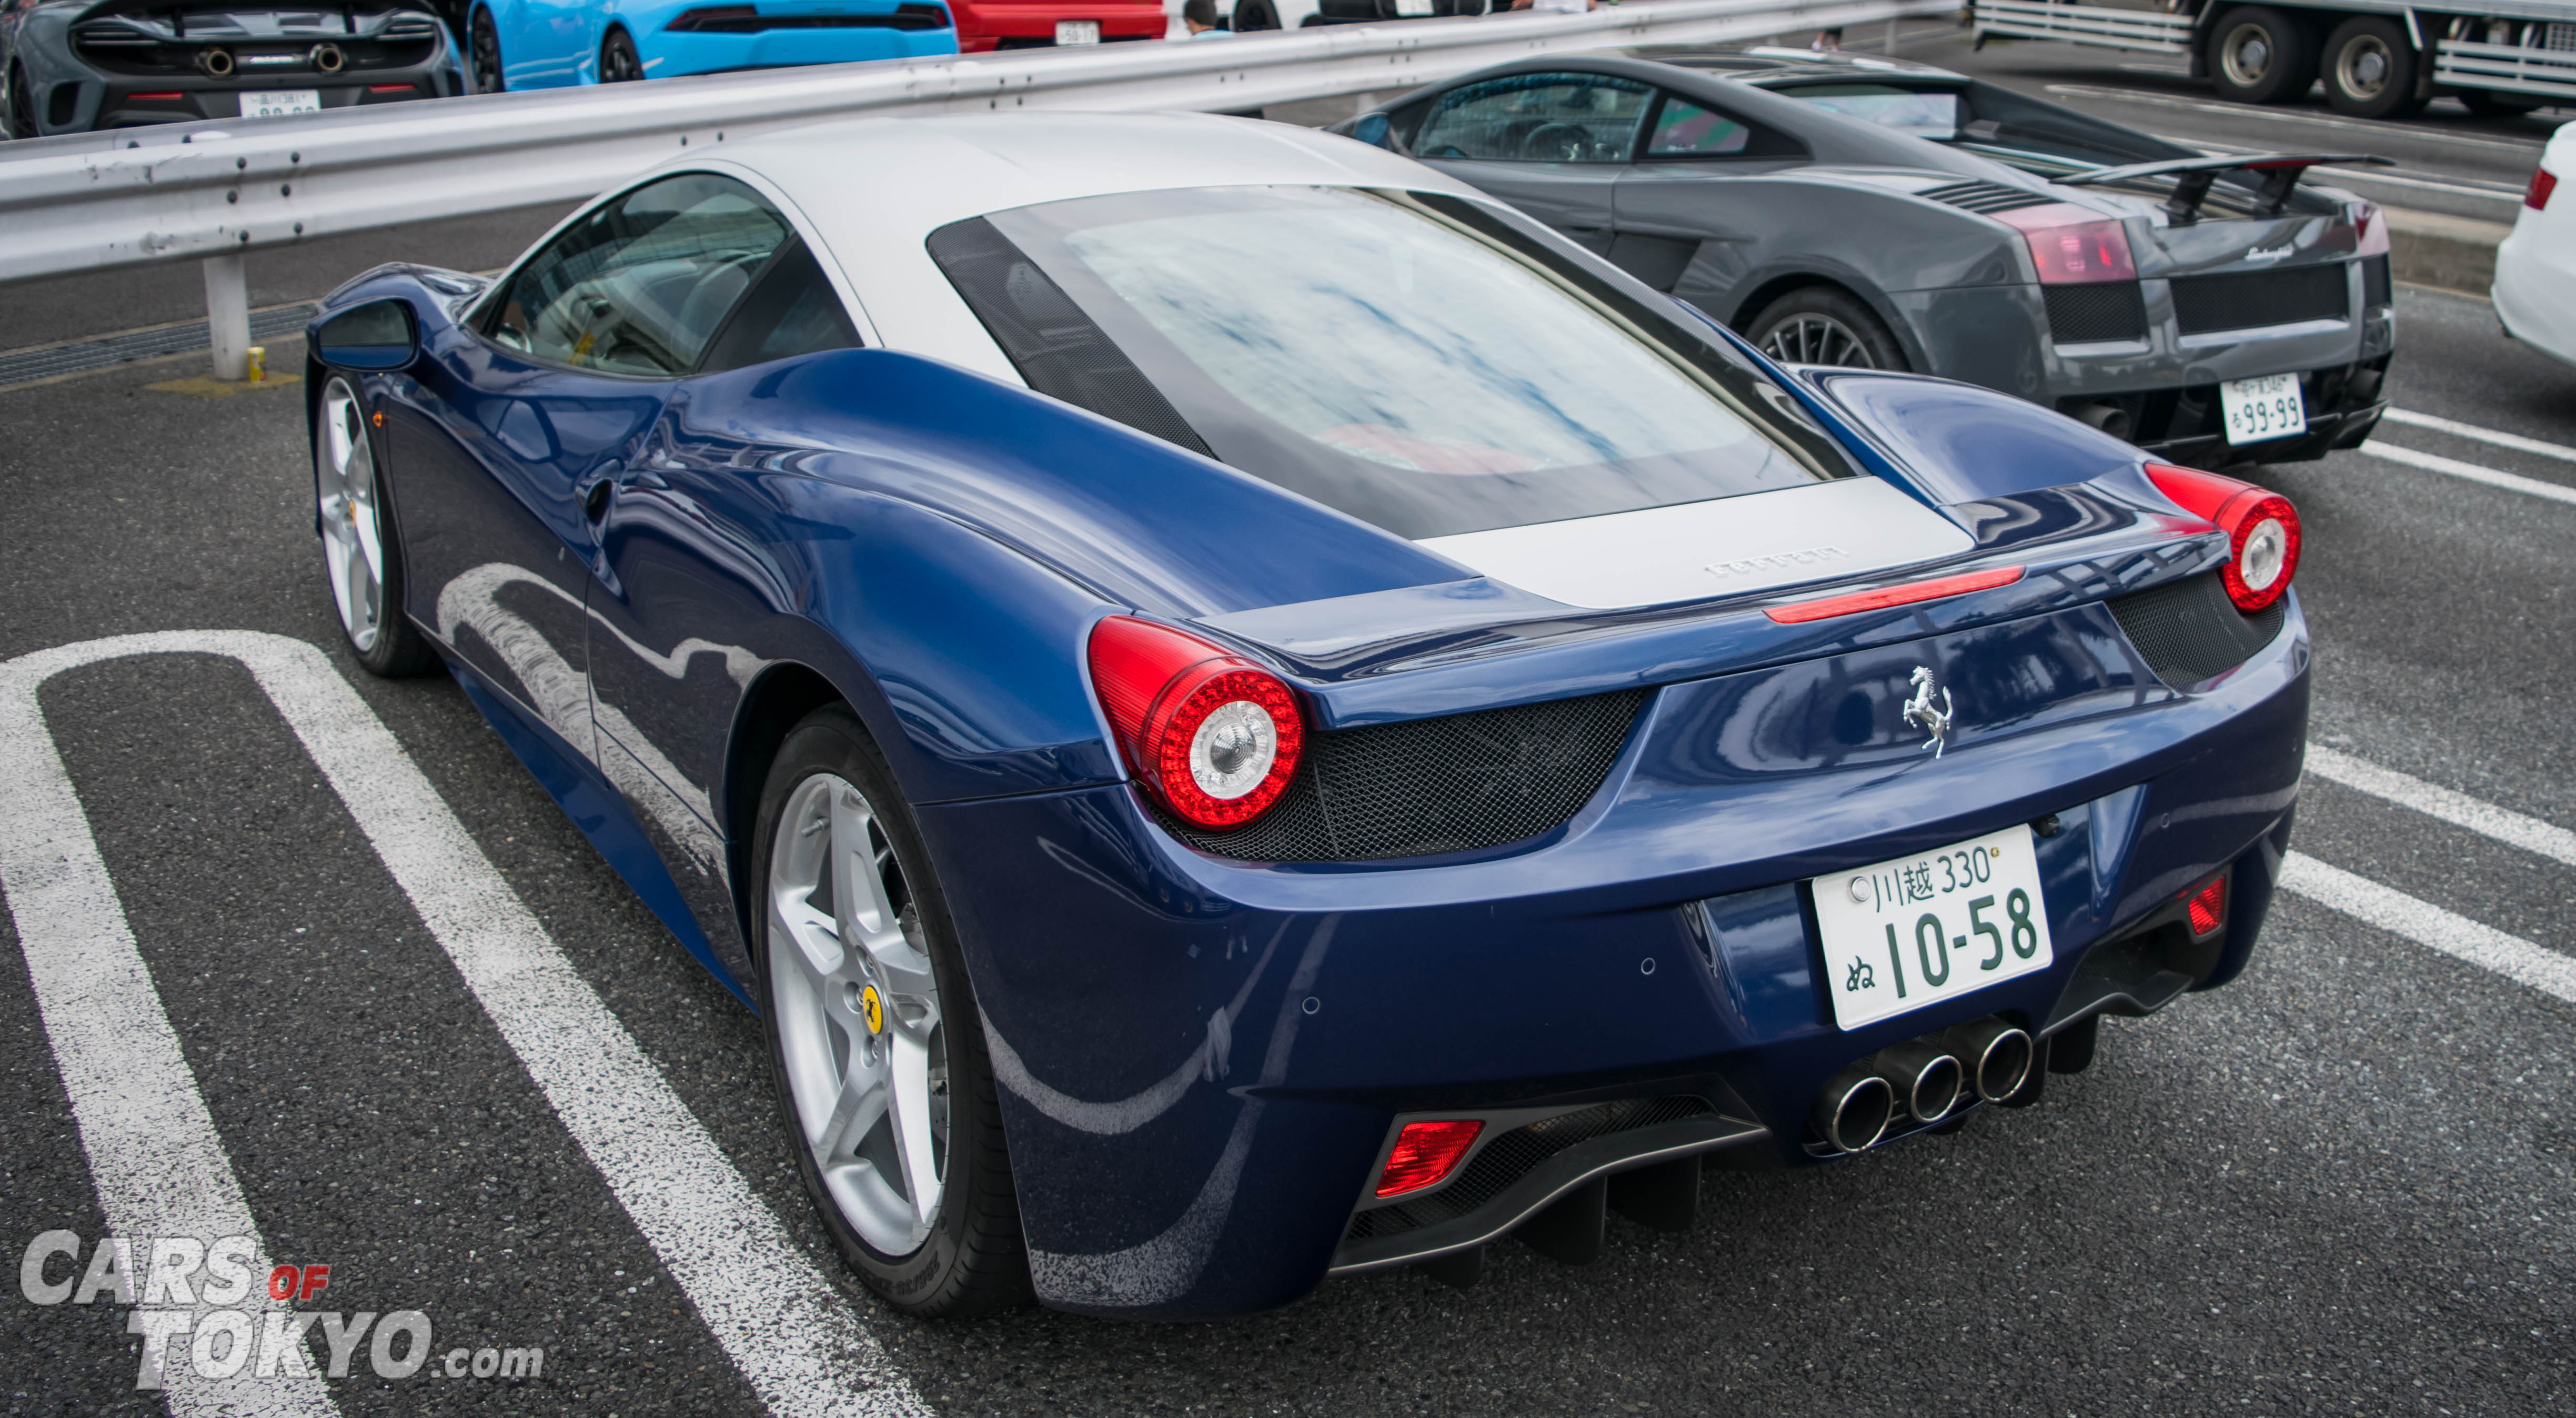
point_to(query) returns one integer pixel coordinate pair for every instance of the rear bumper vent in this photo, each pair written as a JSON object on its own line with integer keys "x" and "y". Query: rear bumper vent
{"x": 2188, "y": 631}
{"x": 2091, "y": 314}
{"x": 2374, "y": 280}
{"x": 1513, "y": 1156}
{"x": 746, "y": 19}
{"x": 1459, "y": 783}
{"x": 1988, "y": 198}
{"x": 2252, "y": 299}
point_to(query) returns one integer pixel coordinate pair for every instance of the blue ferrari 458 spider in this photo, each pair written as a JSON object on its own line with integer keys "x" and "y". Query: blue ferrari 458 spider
{"x": 1245, "y": 712}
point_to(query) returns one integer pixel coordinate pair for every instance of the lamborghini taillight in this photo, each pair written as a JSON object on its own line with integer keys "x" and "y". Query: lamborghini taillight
{"x": 2072, "y": 246}
{"x": 1211, "y": 735}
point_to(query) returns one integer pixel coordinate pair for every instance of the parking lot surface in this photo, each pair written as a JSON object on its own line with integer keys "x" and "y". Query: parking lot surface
{"x": 2342, "y": 1185}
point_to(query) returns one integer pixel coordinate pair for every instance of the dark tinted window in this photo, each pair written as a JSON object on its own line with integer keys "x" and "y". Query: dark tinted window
{"x": 792, "y": 310}
{"x": 1418, "y": 362}
{"x": 1536, "y": 118}
{"x": 641, "y": 284}
{"x": 1932, "y": 113}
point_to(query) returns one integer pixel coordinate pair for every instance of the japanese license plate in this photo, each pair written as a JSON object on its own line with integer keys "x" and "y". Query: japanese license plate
{"x": 277, "y": 103}
{"x": 2266, "y": 406}
{"x": 1918, "y": 930}
{"x": 1411, "y": 9}
{"x": 1077, "y": 31}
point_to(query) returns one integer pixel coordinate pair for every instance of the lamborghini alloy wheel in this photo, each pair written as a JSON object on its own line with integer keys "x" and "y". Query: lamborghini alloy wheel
{"x": 618, "y": 62}
{"x": 874, "y": 1036}
{"x": 360, "y": 552}
{"x": 484, "y": 50}
{"x": 1825, "y": 325}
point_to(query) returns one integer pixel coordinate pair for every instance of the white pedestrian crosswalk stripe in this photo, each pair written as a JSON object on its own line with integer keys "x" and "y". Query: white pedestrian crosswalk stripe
{"x": 793, "y": 1336}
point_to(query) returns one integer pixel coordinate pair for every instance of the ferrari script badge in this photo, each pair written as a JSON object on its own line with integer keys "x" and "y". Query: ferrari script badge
{"x": 1923, "y": 714}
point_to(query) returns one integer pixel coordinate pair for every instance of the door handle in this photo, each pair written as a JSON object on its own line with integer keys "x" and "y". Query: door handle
{"x": 594, "y": 503}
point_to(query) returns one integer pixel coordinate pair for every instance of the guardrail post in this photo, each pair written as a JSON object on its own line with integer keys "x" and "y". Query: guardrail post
{"x": 228, "y": 315}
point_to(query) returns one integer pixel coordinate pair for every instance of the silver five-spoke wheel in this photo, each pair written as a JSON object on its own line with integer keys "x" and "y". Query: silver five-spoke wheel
{"x": 859, "y": 1027}
{"x": 1817, "y": 339}
{"x": 352, "y": 534}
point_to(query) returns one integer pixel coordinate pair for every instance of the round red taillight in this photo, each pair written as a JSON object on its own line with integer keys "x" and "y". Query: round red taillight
{"x": 2262, "y": 530}
{"x": 1213, "y": 736}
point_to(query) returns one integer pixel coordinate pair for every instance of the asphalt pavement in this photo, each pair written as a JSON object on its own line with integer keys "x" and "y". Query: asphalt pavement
{"x": 2342, "y": 1185}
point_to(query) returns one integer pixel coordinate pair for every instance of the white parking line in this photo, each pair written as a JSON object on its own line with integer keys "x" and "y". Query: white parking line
{"x": 2474, "y": 472}
{"x": 154, "y": 1155}
{"x": 2429, "y": 925}
{"x": 2499, "y": 438}
{"x": 790, "y": 1333}
{"x": 2458, "y": 809}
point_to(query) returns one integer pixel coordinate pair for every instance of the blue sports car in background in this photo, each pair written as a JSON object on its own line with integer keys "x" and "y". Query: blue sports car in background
{"x": 1245, "y": 712}
{"x": 543, "y": 44}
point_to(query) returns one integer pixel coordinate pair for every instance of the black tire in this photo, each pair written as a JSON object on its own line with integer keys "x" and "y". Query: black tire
{"x": 483, "y": 54}
{"x": 1826, "y": 325}
{"x": 21, "y": 112}
{"x": 397, "y": 649}
{"x": 2259, "y": 55}
{"x": 2370, "y": 69}
{"x": 973, "y": 1260}
{"x": 618, "y": 62}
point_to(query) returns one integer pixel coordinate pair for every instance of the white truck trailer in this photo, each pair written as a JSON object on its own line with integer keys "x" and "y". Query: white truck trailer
{"x": 2377, "y": 58}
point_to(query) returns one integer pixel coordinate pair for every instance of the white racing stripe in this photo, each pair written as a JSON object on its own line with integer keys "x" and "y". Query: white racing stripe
{"x": 2458, "y": 809}
{"x": 154, "y": 1155}
{"x": 2474, "y": 472}
{"x": 790, "y": 1333}
{"x": 2429, "y": 925}
{"x": 2497, "y": 437}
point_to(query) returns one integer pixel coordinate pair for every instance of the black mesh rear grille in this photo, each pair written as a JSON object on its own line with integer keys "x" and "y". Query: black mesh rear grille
{"x": 2106, "y": 310}
{"x": 1426, "y": 786}
{"x": 1050, "y": 341}
{"x": 2374, "y": 281}
{"x": 1979, "y": 195}
{"x": 1515, "y": 1155}
{"x": 2206, "y": 304}
{"x": 2188, "y": 631}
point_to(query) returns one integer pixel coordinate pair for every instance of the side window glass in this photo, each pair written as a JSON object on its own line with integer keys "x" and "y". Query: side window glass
{"x": 792, "y": 311}
{"x": 1685, "y": 130}
{"x": 641, "y": 284}
{"x": 1584, "y": 118}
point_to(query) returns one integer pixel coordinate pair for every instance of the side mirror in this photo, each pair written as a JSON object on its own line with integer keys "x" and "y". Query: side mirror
{"x": 377, "y": 335}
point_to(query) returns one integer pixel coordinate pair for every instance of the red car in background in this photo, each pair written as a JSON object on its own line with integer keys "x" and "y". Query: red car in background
{"x": 1034, "y": 24}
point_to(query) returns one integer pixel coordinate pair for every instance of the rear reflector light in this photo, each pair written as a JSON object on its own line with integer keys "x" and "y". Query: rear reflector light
{"x": 1213, "y": 736}
{"x": 2543, "y": 182}
{"x": 391, "y": 88}
{"x": 2208, "y": 907}
{"x": 155, "y": 98}
{"x": 2073, "y": 246}
{"x": 1425, "y": 1153}
{"x": 1798, "y": 613}
{"x": 2262, "y": 530}
{"x": 2370, "y": 228}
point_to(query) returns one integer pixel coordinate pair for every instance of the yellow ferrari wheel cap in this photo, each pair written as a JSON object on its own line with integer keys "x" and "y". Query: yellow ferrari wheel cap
{"x": 873, "y": 1009}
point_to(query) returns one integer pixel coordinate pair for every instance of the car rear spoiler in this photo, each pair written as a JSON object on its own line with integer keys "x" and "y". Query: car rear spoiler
{"x": 2192, "y": 177}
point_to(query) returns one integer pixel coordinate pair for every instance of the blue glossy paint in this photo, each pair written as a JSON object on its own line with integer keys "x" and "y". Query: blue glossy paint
{"x": 1199, "y": 1057}
{"x": 553, "y": 43}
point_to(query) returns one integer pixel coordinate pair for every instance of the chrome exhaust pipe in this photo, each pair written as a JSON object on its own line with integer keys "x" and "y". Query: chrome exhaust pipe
{"x": 1927, "y": 1080}
{"x": 1997, "y": 1055}
{"x": 329, "y": 59}
{"x": 217, "y": 63}
{"x": 1855, "y": 1108}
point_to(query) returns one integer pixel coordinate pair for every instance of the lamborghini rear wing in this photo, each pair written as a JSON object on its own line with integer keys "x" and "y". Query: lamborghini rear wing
{"x": 2193, "y": 176}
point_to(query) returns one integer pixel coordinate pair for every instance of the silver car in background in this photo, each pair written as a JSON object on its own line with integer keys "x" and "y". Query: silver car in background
{"x": 1862, "y": 211}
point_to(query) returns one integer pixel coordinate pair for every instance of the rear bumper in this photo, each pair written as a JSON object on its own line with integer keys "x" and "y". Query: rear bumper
{"x": 986, "y": 25}
{"x": 2535, "y": 286}
{"x": 2183, "y": 425}
{"x": 70, "y": 94}
{"x": 668, "y": 54}
{"x": 1200, "y": 1058}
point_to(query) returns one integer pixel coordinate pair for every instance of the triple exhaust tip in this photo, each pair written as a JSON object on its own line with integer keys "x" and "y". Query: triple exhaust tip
{"x": 1923, "y": 1078}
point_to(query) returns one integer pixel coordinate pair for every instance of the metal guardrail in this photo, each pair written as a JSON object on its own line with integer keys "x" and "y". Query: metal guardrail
{"x": 2144, "y": 30}
{"x": 213, "y": 190}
